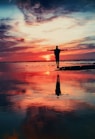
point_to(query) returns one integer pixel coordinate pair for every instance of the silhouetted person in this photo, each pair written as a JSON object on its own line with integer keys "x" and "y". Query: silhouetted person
{"x": 57, "y": 53}
{"x": 57, "y": 90}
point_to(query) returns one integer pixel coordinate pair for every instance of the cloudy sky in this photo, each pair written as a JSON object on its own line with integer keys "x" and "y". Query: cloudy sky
{"x": 30, "y": 28}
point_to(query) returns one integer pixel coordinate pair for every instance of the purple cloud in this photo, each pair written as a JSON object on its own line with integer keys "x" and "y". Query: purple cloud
{"x": 42, "y": 10}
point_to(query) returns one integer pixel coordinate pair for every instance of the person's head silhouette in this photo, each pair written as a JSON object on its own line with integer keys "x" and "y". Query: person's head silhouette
{"x": 56, "y": 47}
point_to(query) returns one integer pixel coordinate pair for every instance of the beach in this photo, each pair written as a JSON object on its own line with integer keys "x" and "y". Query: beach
{"x": 38, "y": 101}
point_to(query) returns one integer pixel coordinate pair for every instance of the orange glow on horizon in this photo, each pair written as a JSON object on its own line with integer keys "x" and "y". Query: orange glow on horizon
{"x": 47, "y": 57}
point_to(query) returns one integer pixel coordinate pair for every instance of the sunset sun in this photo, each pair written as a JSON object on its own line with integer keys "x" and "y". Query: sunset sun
{"x": 47, "y": 57}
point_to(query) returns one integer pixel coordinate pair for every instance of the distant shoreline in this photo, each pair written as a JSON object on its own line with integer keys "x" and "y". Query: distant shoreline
{"x": 46, "y": 61}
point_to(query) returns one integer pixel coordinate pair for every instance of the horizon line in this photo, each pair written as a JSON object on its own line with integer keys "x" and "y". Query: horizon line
{"x": 46, "y": 61}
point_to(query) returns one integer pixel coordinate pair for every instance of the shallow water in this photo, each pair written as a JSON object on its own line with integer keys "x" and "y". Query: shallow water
{"x": 39, "y": 102}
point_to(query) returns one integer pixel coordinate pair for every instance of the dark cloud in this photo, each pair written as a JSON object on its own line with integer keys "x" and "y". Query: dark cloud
{"x": 90, "y": 38}
{"x": 9, "y": 48}
{"x": 87, "y": 46}
{"x": 4, "y": 28}
{"x": 84, "y": 43}
{"x": 41, "y": 10}
{"x": 87, "y": 43}
{"x": 7, "y": 42}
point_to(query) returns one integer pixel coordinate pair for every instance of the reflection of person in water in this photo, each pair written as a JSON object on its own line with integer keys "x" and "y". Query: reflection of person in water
{"x": 57, "y": 90}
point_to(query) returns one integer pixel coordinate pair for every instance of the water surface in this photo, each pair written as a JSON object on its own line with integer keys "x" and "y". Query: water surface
{"x": 39, "y": 102}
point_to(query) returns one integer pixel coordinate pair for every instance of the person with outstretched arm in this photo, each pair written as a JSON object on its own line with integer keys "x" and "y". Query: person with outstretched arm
{"x": 57, "y": 55}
